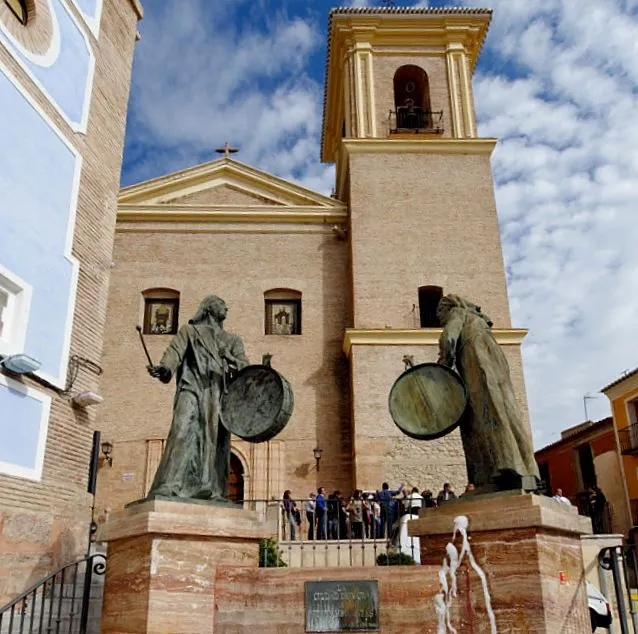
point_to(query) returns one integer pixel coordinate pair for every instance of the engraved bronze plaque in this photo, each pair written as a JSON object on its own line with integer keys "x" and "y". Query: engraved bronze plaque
{"x": 342, "y": 606}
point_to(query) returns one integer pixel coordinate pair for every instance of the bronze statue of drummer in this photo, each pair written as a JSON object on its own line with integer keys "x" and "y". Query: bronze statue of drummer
{"x": 196, "y": 459}
{"x": 217, "y": 393}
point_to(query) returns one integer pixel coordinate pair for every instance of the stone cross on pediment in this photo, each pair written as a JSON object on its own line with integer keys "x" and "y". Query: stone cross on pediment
{"x": 226, "y": 150}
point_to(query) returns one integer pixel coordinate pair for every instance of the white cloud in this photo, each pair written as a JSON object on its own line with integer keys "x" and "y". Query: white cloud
{"x": 200, "y": 81}
{"x": 566, "y": 184}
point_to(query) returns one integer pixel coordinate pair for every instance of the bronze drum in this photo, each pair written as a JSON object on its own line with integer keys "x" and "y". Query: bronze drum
{"x": 428, "y": 401}
{"x": 258, "y": 404}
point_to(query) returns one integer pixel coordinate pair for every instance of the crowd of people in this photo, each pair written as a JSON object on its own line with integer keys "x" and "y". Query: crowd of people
{"x": 363, "y": 515}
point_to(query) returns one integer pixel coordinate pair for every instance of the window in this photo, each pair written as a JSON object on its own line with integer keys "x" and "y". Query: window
{"x": 161, "y": 309}
{"x": 15, "y": 301}
{"x": 283, "y": 312}
{"x": 412, "y": 99}
{"x": 429, "y": 297}
{"x": 19, "y": 9}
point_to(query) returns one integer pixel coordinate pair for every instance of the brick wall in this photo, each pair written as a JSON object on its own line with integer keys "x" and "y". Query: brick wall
{"x": 44, "y": 524}
{"x": 420, "y": 219}
{"x": 239, "y": 267}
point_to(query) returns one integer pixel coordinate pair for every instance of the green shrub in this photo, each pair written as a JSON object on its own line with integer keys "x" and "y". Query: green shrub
{"x": 395, "y": 559}
{"x": 269, "y": 554}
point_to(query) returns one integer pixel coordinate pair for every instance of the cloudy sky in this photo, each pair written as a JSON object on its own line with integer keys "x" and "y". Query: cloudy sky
{"x": 556, "y": 84}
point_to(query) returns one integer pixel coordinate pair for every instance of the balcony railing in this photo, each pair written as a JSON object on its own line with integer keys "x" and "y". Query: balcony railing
{"x": 415, "y": 120}
{"x": 628, "y": 438}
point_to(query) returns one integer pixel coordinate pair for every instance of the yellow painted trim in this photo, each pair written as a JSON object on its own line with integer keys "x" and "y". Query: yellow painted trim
{"x": 466, "y": 91}
{"x": 359, "y": 96}
{"x": 230, "y": 213}
{"x": 452, "y": 90}
{"x": 417, "y": 337}
{"x": 347, "y": 101}
{"x": 419, "y": 146}
{"x": 137, "y": 7}
{"x": 224, "y": 171}
{"x": 427, "y": 33}
{"x": 372, "y": 101}
{"x": 622, "y": 388}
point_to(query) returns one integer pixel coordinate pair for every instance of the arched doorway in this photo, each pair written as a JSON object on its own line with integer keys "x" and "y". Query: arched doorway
{"x": 236, "y": 480}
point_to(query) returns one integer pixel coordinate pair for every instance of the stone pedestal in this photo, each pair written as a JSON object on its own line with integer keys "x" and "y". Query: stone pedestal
{"x": 162, "y": 564}
{"x": 529, "y": 548}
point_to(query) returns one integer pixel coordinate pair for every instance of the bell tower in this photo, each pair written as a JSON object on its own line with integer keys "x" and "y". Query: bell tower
{"x": 399, "y": 124}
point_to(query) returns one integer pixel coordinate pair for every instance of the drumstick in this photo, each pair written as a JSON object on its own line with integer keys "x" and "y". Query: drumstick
{"x": 148, "y": 356}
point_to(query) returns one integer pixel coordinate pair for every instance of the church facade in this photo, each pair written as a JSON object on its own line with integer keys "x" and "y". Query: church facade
{"x": 337, "y": 289}
{"x": 65, "y": 70}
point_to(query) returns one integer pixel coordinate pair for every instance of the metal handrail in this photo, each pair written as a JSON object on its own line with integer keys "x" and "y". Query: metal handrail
{"x": 17, "y": 608}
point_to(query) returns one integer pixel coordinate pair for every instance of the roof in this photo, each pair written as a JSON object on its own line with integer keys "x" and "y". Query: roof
{"x": 620, "y": 380}
{"x": 398, "y": 12}
{"x": 579, "y": 431}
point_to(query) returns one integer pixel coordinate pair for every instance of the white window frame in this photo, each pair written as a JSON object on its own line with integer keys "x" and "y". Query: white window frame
{"x": 17, "y": 470}
{"x": 15, "y": 314}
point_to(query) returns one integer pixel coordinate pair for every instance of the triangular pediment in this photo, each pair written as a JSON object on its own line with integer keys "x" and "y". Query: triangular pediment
{"x": 224, "y": 182}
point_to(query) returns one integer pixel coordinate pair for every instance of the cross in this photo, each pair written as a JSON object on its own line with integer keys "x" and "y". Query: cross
{"x": 227, "y": 150}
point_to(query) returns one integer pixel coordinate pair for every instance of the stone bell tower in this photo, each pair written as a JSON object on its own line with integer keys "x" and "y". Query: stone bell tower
{"x": 399, "y": 124}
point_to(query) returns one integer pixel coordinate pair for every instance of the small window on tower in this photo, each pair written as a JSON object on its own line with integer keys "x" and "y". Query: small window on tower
{"x": 429, "y": 297}
{"x": 283, "y": 312}
{"x": 19, "y": 9}
{"x": 161, "y": 310}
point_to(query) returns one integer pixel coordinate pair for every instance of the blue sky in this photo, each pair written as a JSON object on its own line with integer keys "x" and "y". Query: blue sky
{"x": 556, "y": 84}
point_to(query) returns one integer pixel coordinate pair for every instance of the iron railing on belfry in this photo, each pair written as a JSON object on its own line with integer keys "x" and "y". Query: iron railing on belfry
{"x": 415, "y": 120}
{"x": 304, "y": 536}
{"x": 60, "y": 602}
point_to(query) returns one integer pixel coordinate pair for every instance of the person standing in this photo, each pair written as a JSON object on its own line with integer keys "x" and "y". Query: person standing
{"x": 415, "y": 502}
{"x": 446, "y": 494}
{"x": 289, "y": 508}
{"x": 385, "y": 497}
{"x": 310, "y": 515}
{"x": 355, "y": 512}
{"x": 320, "y": 507}
{"x": 559, "y": 497}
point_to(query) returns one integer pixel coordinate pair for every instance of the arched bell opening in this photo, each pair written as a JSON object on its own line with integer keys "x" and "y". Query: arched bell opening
{"x": 412, "y": 99}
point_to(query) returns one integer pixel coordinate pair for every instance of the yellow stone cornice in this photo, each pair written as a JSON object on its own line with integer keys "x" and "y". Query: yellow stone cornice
{"x": 163, "y": 213}
{"x": 392, "y": 30}
{"x": 137, "y": 7}
{"x": 419, "y": 146}
{"x": 220, "y": 172}
{"x": 417, "y": 337}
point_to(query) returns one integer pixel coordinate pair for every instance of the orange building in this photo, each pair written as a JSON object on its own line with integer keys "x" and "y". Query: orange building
{"x": 586, "y": 456}
{"x": 623, "y": 396}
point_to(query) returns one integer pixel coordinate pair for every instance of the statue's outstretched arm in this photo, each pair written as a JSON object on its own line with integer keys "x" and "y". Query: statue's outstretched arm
{"x": 238, "y": 355}
{"x": 173, "y": 355}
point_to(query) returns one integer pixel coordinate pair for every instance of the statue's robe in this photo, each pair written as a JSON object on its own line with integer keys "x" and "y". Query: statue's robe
{"x": 196, "y": 458}
{"x": 497, "y": 444}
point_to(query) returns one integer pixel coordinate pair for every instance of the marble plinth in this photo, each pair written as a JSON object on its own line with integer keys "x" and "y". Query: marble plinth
{"x": 529, "y": 548}
{"x": 163, "y": 559}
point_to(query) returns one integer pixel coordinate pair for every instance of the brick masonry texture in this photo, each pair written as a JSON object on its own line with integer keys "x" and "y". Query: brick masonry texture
{"x": 239, "y": 267}
{"x": 420, "y": 219}
{"x": 54, "y": 513}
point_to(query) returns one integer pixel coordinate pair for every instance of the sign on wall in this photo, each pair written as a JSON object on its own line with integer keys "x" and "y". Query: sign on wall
{"x": 342, "y": 606}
